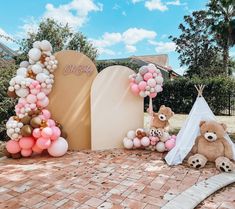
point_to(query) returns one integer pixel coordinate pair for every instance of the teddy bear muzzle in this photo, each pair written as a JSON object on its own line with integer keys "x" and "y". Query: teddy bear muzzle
{"x": 162, "y": 117}
{"x": 210, "y": 136}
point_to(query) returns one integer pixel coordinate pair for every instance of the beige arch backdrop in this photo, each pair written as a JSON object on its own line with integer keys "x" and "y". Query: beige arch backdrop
{"x": 70, "y": 97}
{"x": 114, "y": 109}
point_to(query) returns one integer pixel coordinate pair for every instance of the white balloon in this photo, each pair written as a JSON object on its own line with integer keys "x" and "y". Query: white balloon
{"x": 22, "y": 71}
{"x": 31, "y": 61}
{"x": 34, "y": 54}
{"x": 131, "y": 134}
{"x": 128, "y": 144}
{"x": 58, "y": 147}
{"x": 45, "y": 46}
{"x": 142, "y": 94}
{"x": 41, "y": 77}
{"x": 160, "y": 147}
{"x": 36, "y": 44}
{"x": 22, "y": 92}
{"x": 36, "y": 68}
{"x": 159, "y": 80}
{"x": 145, "y": 141}
{"x": 24, "y": 64}
{"x": 158, "y": 88}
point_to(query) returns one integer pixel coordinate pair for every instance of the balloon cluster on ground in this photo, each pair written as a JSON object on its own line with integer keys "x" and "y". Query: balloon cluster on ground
{"x": 33, "y": 130}
{"x": 156, "y": 140}
{"x": 147, "y": 82}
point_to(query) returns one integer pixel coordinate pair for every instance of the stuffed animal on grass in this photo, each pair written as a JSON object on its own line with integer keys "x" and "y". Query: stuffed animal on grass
{"x": 212, "y": 146}
{"x": 160, "y": 119}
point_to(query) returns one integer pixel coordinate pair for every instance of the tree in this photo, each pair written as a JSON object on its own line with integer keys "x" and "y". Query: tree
{"x": 222, "y": 14}
{"x": 197, "y": 48}
{"x": 60, "y": 36}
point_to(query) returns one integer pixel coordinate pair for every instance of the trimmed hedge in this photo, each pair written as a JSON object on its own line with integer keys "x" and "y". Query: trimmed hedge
{"x": 180, "y": 94}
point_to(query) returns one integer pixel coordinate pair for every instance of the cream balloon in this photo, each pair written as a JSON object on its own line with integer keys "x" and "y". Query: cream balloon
{"x": 58, "y": 147}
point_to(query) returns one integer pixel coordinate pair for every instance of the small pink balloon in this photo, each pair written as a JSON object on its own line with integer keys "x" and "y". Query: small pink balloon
{"x": 46, "y": 113}
{"x": 169, "y": 144}
{"x": 42, "y": 117}
{"x": 26, "y": 152}
{"x": 135, "y": 88}
{"x": 43, "y": 143}
{"x": 152, "y": 95}
{"x": 51, "y": 123}
{"x": 31, "y": 98}
{"x": 173, "y": 136}
{"x": 46, "y": 132}
{"x": 34, "y": 91}
{"x": 136, "y": 143}
{"x": 151, "y": 70}
{"x": 26, "y": 142}
{"x": 56, "y": 133}
{"x": 147, "y": 76}
{"x": 32, "y": 106}
{"x": 153, "y": 142}
{"x": 13, "y": 147}
{"x": 37, "y": 133}
{"x": 36, "y": 149}
{"x": 142, "y": 85}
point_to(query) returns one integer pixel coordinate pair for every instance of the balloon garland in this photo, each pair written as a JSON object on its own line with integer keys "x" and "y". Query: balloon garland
{"x": 32, "y": 129}
{"x": 147, "y": 82}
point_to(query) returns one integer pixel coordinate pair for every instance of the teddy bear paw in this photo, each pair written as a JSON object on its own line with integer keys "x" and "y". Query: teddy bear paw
{"x": 197, "y": 161}
{"x": 224, "y": 164}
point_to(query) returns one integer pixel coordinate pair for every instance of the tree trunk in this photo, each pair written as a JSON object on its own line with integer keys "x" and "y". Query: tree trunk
{"x": 226, "y": 58}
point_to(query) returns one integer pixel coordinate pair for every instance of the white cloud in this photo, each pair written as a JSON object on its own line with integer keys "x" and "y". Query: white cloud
{"x": 123, "y": 13}
{"x": 75, "y": 13}
{"x": 155, "y": 5}
{"x": 116, "y": 7}
{"x": 176, "y": 2}
{"x": 30, "y": 25}
{"x": 136, "y": 1}
{"x": 134, "y": 35}
{"x": 163, "y": 47}
{"x": 106, "y": 51}
{"x": 129, "y": 38}
{"x": 131, "y": 48}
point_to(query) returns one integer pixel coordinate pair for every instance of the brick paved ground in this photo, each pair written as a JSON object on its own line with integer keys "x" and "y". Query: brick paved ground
{"x": 109, "y": 179}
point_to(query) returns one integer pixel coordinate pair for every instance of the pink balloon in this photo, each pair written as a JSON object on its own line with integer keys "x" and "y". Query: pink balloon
{"x": 26, "y": 152}
{"x": 36, "y": 149}
{"x": 142, "y": 85}
{"x": 34, "y": 91}
{"x": 169, "y": 144}
{"x": 56, "y": 133}
{"x": 151, "y": 82}
{"x": 42, "y": 117}
{"x": 51, "y": 123}
{"x": 46, "y": 113}
{"x": 152, "y": 95}
{"x": 31, "y": 98}
{"x": 13, "y": 147}
{"x": 151, "y": 70}
{"x": 26, "y": 142}
{"x": 135, "y": 88}
{"x": 43, "y": 143}
{"x": 147, "y": 76}
{"x": 46, "y": 132}
{"x": 153, "y": 142}
{"x": 36, "y": 133}
{"x": 137, "y": 143}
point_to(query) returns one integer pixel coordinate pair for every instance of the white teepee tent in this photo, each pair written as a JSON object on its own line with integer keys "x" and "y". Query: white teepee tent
{"x": 190, "y": 130}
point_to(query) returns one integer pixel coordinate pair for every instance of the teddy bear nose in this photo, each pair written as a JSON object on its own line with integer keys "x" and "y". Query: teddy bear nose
{"x": 210, "y": 137}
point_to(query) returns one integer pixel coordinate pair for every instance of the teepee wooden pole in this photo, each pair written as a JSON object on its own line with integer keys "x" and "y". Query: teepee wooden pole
{"x": 151, "y": 111}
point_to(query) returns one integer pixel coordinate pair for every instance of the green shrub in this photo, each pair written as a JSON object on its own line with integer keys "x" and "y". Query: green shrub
{"x": 180, "y": 94}
{"x": 7, "y": 70}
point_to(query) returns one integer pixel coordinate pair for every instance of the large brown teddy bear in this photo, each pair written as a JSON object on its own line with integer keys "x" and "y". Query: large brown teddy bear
{"x": 212, "y": 146}
{"x": 160, "y": 119}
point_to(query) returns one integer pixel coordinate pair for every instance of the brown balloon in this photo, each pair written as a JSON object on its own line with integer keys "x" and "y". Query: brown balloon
{"x": 37, "y": 112}
{"x": 6, "y": 153}
{"x": 26, "y": 130}
{"x": 26, "y": 120}
{"x": 16, "y": 156}
{"x": 11, "y": 94}
{"x": 30, "y": 113}
{"x": 35, "y": 122}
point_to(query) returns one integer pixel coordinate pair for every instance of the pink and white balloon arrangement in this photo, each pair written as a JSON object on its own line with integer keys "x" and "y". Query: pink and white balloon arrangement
{"x": 32, "y": 130}
{"x": 140, "y": 139}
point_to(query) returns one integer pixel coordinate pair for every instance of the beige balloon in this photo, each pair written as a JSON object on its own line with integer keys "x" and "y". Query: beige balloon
{"x": 70, "y": 97}
{"x": 114, "y": 108}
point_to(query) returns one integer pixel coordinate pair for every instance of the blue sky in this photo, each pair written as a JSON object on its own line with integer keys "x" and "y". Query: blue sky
{"x": 119, "y": 28}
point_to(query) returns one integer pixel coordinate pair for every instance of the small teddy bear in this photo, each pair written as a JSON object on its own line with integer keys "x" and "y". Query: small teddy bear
{"x": 160, "y": 133}
{"x": 160, "y": 119}
{"x": 211, "y": 146}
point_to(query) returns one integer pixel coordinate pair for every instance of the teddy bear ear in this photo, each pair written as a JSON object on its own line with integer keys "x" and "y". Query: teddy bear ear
{"x": 224, "y": 126}
{"x": 162, "y": 106}
{"x": 201, "y": 123}
{"x": 172, "y": 113}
